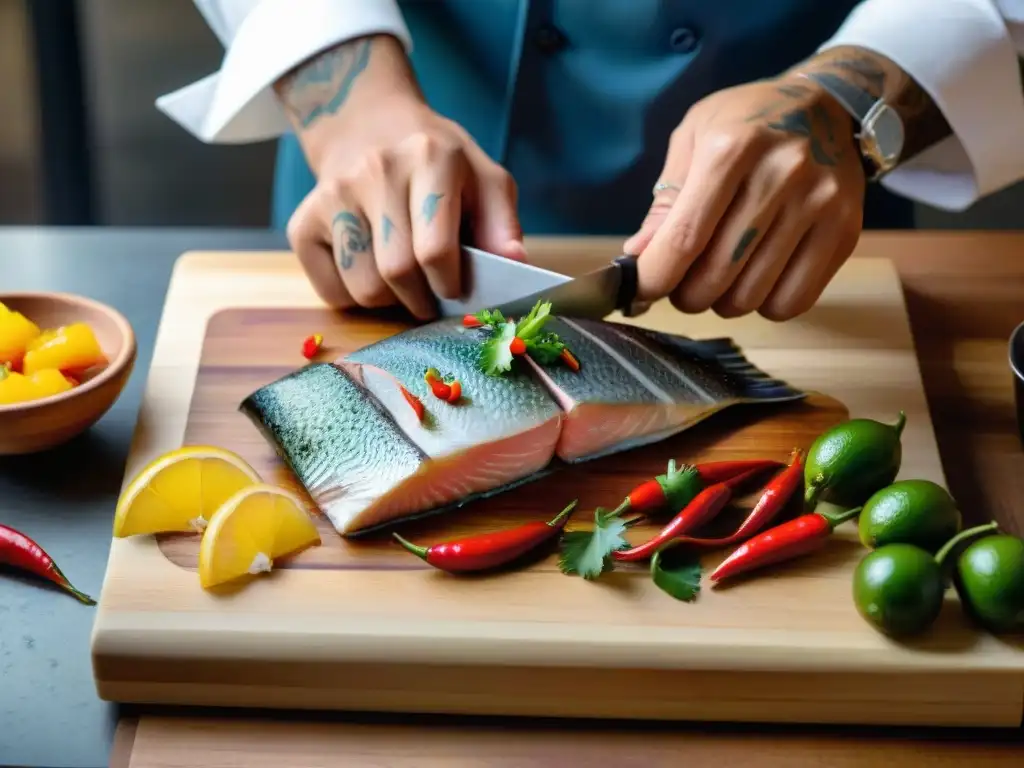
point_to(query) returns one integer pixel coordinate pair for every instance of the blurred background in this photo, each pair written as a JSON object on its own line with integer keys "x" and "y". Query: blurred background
{"x": 82, "y": 143}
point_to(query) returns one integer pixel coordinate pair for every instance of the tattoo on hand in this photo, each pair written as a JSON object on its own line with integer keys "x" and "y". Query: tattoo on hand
{"x": 799, "y": 123}
{"x": 321, "y": 86}
{"x": 430, "y": 206}
{"x": 385, "y": 228}
{"x": 351, "y": 234}
{"x": 744, "y": 243}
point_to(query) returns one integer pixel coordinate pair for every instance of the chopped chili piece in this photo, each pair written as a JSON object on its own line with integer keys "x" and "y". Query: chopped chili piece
{"x": 718, "y": 471}
{"x": 456, "y": 392}
{"x": 517, "y": 347}
{"x": 311, "y": 345}
{"x": 414, "y": 401}
{"x": 570, "y": 360}
{"x": 793, "y": 538}
{"x": 18, "y": 550}
{"x": 489, "y": 550}
{"x": 471, "y": 321}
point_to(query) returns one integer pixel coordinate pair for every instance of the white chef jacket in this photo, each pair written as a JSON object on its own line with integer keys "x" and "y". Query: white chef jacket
{"x": 964, "y": 53}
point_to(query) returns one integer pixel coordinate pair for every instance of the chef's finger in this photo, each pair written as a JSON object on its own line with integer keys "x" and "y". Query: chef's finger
{"x": 718, "y": 167}
{"x": 673, "y": 175}
{"x": 766, "y": 264}
{"x": 780, "y": 179}
{"x": 435, "y": 205}
{"x": 805, "y": 275}
{"x": 387, "y": 204}
{"x": 353, "y": 257}
{"x": 309, "y": 238}
{"x": 491, "y": 198}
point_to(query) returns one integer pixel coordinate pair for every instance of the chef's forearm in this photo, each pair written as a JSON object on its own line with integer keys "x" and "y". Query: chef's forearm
{"x": 327, "y": 88}
{"x": 859, "y": 71}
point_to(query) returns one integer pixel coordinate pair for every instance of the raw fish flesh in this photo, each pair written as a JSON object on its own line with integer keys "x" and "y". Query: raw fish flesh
{"x": 366, "y": 459}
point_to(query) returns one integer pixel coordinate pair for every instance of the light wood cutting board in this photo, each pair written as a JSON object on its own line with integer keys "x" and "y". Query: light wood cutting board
{"x": 364, "y": 626}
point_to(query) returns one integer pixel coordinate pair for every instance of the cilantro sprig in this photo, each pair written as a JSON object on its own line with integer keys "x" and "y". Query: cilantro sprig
{"x": 509, "y": 339}
{"x": 589, "y": 553}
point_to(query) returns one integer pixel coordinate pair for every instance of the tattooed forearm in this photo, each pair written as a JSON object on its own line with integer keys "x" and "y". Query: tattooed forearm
{"x": 864, "y": 74}
{"x": 430, "y": 206}
{"x": 351, "y": 235}
{"x": 322, "y": 85}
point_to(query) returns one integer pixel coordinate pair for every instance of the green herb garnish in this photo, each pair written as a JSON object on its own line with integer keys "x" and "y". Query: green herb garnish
{"x": 509, "y": 340}
{"x": 589, "y": 553}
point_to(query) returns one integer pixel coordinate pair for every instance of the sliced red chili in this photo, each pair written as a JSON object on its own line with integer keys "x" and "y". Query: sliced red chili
{"x": 489, "y": 550}
{"x": 456, "y": 392}
{"x": 570, "y": 360}
{"x": 19, "y": 551}
{"x": 311, "y": 345}
{"x": 413, "y": 401}
{"x": 517, "y": 346}
{"x": 471, "y": 321}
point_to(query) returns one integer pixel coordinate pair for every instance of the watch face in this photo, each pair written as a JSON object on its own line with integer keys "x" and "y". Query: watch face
{"x": 882, "y": 136}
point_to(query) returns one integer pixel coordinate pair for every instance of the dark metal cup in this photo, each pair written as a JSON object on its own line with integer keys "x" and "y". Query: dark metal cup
{"x": 1017, "y": 366}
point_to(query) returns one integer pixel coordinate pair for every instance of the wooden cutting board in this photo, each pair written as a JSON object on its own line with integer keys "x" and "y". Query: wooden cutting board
{"x": 363, "y": 625}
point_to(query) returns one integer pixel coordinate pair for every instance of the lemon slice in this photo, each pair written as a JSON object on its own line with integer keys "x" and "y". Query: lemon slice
{"x": 253, "y": 528}
{"x": 180, "y": 490}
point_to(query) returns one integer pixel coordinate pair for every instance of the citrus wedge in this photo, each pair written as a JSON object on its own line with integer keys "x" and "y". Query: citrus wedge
{"x": 253, "y": 528}
{"x": 180, "y": 490}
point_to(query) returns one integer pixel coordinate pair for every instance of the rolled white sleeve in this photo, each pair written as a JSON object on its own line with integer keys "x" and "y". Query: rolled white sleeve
{"x": 964, "y": 53}
{"x": 263, "y": 40}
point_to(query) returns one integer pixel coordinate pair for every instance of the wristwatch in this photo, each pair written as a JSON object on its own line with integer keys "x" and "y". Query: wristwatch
{"x": 881, "y": 129}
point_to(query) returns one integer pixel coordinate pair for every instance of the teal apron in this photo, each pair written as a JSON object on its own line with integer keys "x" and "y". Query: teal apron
{"x": 577, "y": 98}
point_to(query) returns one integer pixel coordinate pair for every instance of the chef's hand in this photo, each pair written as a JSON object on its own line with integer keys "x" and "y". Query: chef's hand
{"x": 382, "y": 225}
{"x": 763, "y": 203}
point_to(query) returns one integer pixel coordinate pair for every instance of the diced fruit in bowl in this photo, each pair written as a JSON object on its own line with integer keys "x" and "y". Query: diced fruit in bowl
{"x": 16, "y": 332}
{"x": 19, "y": 388}
{"x": 71, "y": 349}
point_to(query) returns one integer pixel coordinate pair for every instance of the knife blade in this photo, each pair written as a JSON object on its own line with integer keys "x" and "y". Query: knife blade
{"x": 513, "y": 288}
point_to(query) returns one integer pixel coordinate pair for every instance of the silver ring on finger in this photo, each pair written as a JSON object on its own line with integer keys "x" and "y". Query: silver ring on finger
{"x": 662, "y": 186}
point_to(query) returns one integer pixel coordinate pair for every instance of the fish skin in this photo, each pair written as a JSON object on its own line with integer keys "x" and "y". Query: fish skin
{"x": 491, "y": 407}
{"x": 335, "y": 439}
{"x": 524, "y": 424}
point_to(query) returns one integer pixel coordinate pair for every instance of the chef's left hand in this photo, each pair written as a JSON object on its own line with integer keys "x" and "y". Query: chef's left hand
{"x": 765, "y": 202}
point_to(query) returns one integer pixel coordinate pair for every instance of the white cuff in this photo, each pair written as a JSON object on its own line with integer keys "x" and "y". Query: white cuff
{"x": 238, "y": 103}
{"x": 963, "y": 54}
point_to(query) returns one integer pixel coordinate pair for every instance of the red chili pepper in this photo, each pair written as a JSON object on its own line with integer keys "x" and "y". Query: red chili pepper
{"x": 674, "y": 489}
{"x": 718, "y": 471}
{"x": 570, "y": 360}
{"x": 775, "y": 496}
{"x": 311, "y": 345}
{"x": 20, "y": 551}
{"x": 517, "y": 346}
{"x": 471, "y": 321}
{"x": 489, "y": 550}
{"x": 703, "y": 508}
{"x": 414, "y": 401}
{"x": 786, "y": 541}
{"x": 450, "y": 392}
{"x": 456, "y": 392}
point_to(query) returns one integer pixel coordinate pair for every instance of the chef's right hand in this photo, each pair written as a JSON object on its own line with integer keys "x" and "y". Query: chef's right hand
{"x": 382, "y": 224}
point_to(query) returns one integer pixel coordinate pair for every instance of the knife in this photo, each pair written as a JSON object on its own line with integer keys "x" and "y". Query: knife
{"x": 493, "y": 282}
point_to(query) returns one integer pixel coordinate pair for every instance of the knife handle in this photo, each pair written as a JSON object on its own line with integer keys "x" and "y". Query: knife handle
{"x": 628, "y": 284}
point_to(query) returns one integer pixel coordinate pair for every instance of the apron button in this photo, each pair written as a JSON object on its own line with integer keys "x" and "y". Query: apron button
{"x": 549, "y": 38}
{"x": 683, "y": 40}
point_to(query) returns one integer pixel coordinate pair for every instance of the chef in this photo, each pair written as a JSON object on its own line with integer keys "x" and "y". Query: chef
{"x": 737, "y": 146}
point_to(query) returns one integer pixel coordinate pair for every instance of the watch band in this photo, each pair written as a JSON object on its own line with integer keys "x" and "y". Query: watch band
{"x": 854, "y": 100}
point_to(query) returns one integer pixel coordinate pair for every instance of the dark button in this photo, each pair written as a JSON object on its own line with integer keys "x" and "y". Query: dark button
{"x": 683, "y": 40}
{"x": 549, "y": 38}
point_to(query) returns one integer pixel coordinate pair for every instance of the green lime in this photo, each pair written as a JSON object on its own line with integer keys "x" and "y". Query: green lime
{"x": 852, "y": 460}
{"x": 989, "y": 578}
{"x": 898, "y": 589}
{"x": 917, "y": 512}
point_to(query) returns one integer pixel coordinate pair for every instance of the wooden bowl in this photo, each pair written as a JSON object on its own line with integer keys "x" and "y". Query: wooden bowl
{"x": 45, "y": 423}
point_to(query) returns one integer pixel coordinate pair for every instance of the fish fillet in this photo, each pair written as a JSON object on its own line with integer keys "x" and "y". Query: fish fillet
{"x": 366, "y": 459}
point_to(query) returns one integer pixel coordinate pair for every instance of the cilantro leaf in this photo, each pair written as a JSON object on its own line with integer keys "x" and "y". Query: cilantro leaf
{"x": 528, "y": 327}
{"x": 589, "y": 553}
{"x": 496, "y": 355}
{"x": 545, "y": 349}
{"x": 677, "y": 572}
{"x": 491, "y": 317}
